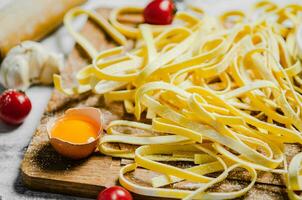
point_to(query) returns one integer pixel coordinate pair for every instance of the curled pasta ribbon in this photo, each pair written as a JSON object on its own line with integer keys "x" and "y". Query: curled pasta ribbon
{"x": 58, "y": 83}
{"x": 217, "y": 92}
{"x": 133, "y": 32}
{"x": 179, "y": 174}
{"x": 238, "y": 17}
{"x": 268, "y": 6}
{"x": 85, "y": 44}
{"x": 115, "y": 136}
{"x": 129, "y": 31}
{"x": 224, "y": 135}
{"x": 294, "y": 182}
{"x": 99, "y": 76}
{"x": 88, "y": 47}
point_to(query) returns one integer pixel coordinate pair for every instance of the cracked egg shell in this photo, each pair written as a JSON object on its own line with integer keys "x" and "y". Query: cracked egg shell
{"x": 83, "y": 116}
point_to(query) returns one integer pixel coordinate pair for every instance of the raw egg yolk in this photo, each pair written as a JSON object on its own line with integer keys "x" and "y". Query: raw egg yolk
{"x": 76, "y": 130}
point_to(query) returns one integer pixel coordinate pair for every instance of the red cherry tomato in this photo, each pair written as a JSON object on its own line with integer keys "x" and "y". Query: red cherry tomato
{"x": 114, "y": 193}
{"x": 160, "y": 12}
{"x": 14, "y": 106}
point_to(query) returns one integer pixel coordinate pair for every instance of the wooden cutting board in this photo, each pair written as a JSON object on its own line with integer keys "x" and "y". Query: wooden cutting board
{"x": 44, "y": 169}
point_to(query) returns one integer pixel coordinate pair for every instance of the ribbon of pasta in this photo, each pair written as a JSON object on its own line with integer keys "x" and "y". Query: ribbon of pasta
{"x": 221, "y": 92}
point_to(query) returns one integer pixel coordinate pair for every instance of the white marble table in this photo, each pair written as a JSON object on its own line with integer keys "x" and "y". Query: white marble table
{"x": 14, "y": 140}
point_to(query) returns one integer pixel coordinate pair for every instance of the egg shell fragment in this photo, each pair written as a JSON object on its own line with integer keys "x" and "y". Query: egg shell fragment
{"x": 72, "y": 150}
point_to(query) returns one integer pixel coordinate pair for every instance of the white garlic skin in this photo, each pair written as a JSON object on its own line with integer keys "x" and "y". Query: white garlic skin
{"x": 29, "y": 63}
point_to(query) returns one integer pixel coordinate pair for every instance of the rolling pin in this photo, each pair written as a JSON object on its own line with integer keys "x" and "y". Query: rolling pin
{"x": 30, "y": 20}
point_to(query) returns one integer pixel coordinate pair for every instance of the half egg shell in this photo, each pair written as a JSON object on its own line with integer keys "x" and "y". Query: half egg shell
{"x": 76, "y": 150}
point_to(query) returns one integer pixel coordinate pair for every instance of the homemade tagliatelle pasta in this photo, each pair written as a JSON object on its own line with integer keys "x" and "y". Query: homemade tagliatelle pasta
{"x": 222, "y": 93}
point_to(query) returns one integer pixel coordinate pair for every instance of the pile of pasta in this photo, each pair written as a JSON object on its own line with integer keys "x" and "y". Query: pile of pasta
{"x": 222, "y": 92}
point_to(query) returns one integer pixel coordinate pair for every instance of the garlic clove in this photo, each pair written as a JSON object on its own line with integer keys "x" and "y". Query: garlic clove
{"x": 53, "y": 64}
{"x": 37, "y": 56}
{"x": 15, "y": 73}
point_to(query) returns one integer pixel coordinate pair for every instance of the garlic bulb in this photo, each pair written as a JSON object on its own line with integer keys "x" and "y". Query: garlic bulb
{"x": 29, "y": 63}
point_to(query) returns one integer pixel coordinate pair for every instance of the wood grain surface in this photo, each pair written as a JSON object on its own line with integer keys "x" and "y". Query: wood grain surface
{"x": 44, "y": 169}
